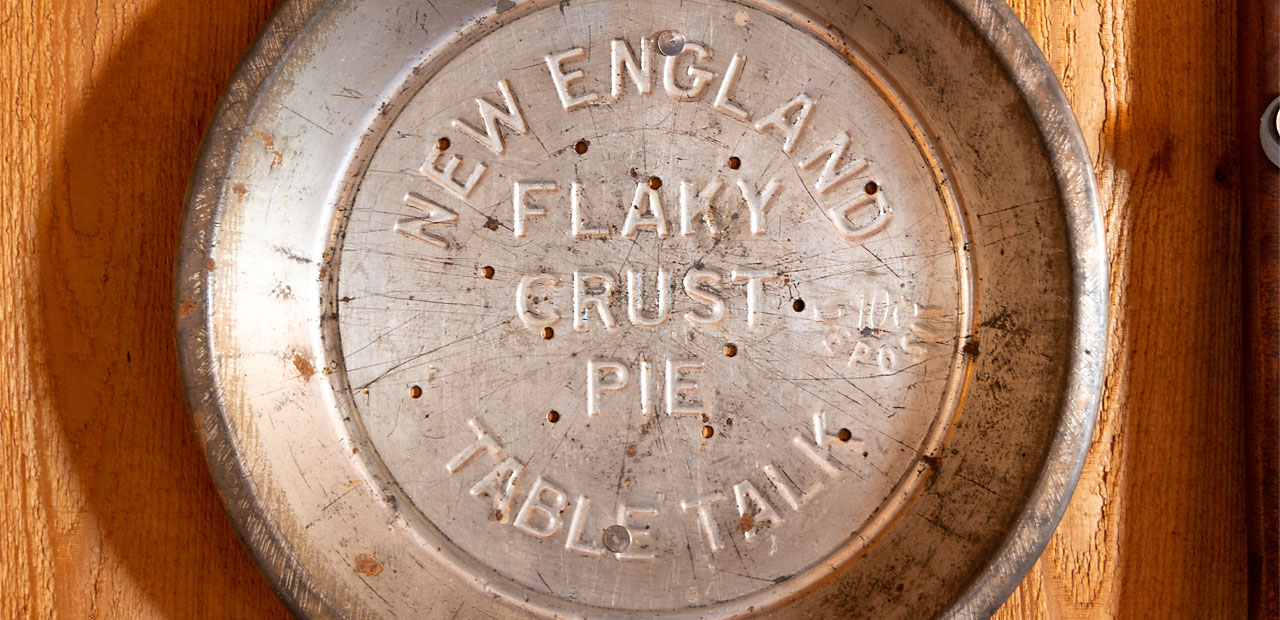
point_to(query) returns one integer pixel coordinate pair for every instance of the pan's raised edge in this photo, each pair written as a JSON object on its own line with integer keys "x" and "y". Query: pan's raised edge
{"x": 272, "y": 553}
{"x": 1064, "y": 143}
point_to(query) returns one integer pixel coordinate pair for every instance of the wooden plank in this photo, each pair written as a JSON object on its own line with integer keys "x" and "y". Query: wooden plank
{"x": 107, "y": 510}
{"x": 1259, "y": 84}
{"x": 1156, "y": 529}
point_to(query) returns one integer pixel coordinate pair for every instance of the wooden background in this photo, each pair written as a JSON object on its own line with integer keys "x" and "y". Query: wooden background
{"x": 107, "y": 509}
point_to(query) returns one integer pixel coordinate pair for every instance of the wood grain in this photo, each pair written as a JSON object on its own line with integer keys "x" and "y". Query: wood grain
{"x": 106, "y": 507}
{"x": 1259, "y": 69}
{"x": 1156, "y": 528}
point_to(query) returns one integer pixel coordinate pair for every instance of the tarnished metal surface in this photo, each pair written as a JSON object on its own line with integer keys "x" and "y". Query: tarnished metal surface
{"x": 620, "y": 309}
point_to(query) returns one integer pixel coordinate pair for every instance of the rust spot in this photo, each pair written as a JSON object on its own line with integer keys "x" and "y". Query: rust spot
{"x": 324, "y": 273}
{"x": 209, "y": 264}
{"x": 240, "y": 190}
{"x": 266, "y": 139}
{"x": 492, "y": 224}
{"x": 971, "y": 348}
{"x": 746, "y": 523}
{"x": 304, "y": 367}
{"x": 497, "y": 516}
{"x": 186, "y": 308}
{"x": 277, "y": 157}
{"x": 631, "y": 449}
{"x": 368, "y": 565}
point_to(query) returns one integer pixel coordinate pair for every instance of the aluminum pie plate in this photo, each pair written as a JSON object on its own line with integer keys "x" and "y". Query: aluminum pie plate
{"x": 662, "y": 308}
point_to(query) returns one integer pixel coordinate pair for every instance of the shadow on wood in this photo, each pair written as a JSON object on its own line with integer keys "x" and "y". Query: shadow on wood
{"x": 108, "y": 226}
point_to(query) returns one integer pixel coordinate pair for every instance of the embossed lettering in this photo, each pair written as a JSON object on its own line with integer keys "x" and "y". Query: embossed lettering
{"x": 693, "y": 205}
{"x": 562, "y": 80}
{"x": 834, "y": 149}
{"x": 840, "y": 216}
{"x": 650, "y": 215}
{"x": 790, "y": 493}
{"x": 540, "y": 514}
{"x": 585, "y": 296}
{"x": 818, "y": 451}
{"x": 694, "y": 286}
{"x": 746, "y": 495}
{"x": 879, "y": 303}
{"x": 789, "y": 119}
{"x": 861, "y": 355}
{"x": 484, "y": 442}
{"x": 531, "y": 319}
{"x": 921, "y": 331}
{"x": 727, "y": 85}
{"x": 709, "y": 528}
{"x": 890, "y": 332}
{"x": 886, "y": 359}
{"x": 499, "y": 486}
{"x": 604, "y": 375}
{"x": 646, "y": 387}
{"x": 755, "y": 291}
{"x": 575, "y": 543}
{"x": 522, "y": 207}
{"x": 445, "y": 177}
{"x": 758, "y": 202}
{"x": 635, "y": 299}
{"x": 828, "y": 315}
{"x": 682, "y": 390}
{"x": 490, "y": 116}
{"x": 701, "y": 77}
{"x": 578, "y": 226}
{"x": 622, "y": 59}
{"x": 436, "y": 214}
{"x": 641, "y": 532}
